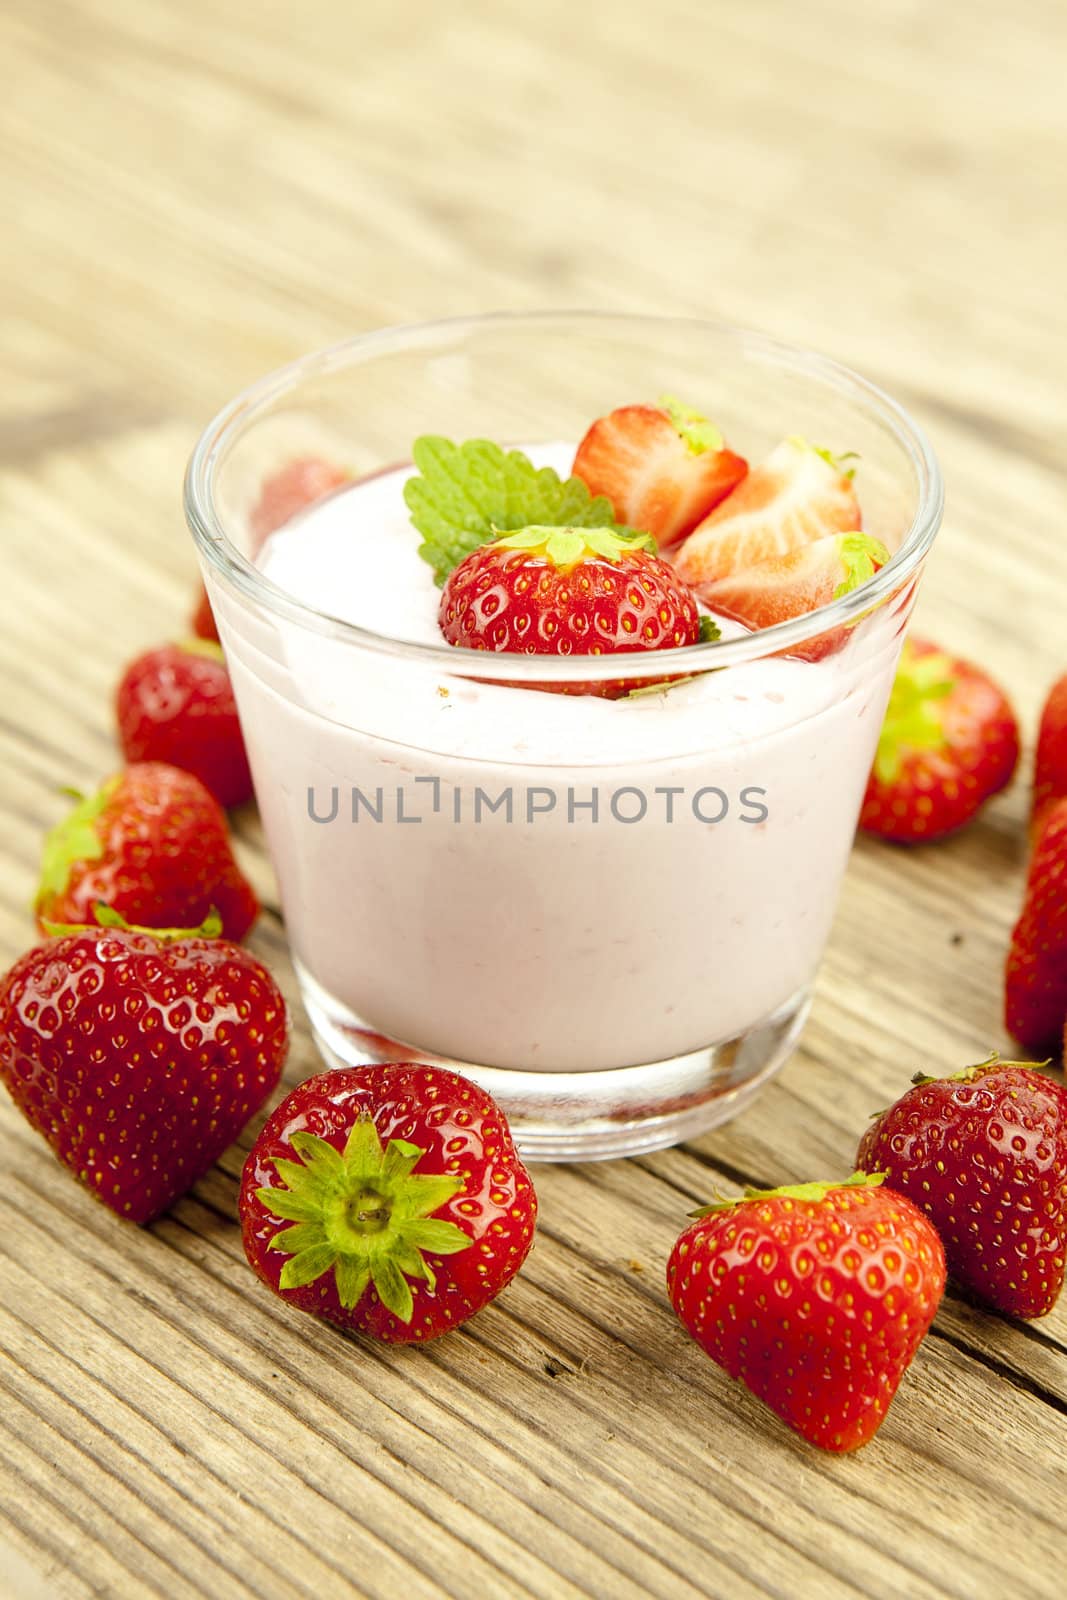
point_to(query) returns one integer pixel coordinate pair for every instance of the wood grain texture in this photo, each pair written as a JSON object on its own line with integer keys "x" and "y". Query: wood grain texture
{"x": 192, "y": 194}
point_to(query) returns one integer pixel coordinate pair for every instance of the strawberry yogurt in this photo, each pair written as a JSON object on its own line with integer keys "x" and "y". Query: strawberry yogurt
{"x": 533, "y": 881}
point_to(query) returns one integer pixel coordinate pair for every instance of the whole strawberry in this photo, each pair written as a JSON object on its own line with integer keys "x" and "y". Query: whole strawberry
{"x": 1050, "y": 761}
{"x": 1035, "y": 976}
{"x": 388, "y": 1199}
{"x": 154, "y": 846}
{"x": 568, "y": 591}
{"x": 817, "y": 1297}
{"x": 175, "y": 704}
{"x": 949, "y": 742}
{"x": 984, "y": 1154}
{"x": 292, "y": 488}
{"x": 139, "y": 1059}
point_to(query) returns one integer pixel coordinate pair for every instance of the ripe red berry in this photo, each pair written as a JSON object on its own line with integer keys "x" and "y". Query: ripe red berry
{"x": 153, "y": 845}
{"x": 817, "y": 1297}
{"x": 1035, "y": 977}
{"x": 568, "y": 591}
{"x": 389, "y": 1199}
{"x": 175, "y": 704}
{"x": 1050, "y": 760}
{"x": 984, "y": 1154}
{"x": 139, "y": 1060}
{"x": 949, "y": 742}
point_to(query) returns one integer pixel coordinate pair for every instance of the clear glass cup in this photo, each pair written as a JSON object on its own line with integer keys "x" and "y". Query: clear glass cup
{"x": 623, "y": 952}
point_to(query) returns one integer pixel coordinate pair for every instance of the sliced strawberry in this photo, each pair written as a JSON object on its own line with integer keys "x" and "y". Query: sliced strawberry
{"x": 799, "y": 494}
{"x": 663, "y": 467}
{"x": 788, "y": 586}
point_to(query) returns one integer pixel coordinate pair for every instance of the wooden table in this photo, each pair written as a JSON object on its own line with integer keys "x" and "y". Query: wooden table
{"x": 193, "y": 193}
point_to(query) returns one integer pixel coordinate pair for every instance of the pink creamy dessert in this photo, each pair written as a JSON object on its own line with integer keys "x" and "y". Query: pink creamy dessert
{"x": 541, "y": 881}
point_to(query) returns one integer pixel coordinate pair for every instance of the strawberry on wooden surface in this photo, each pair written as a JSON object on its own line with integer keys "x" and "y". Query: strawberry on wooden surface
{"x": 816, "y": 1296}
{"x": 151, "y": 843}
{"x": 388, "y": 1199}
{"x": 797, "y": 495}
{"x": 1035, "y": 978}
{"x": 663, "y": 467}
{"x": 950, "y": 742}
{"x": 984, "y": 1155}
{"x": 140, "y": 1056}
{"x": 1050, "y": 761}
{"x": 175, "y": 704}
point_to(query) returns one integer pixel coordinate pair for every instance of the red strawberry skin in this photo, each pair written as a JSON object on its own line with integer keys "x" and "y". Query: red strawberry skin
{"x": 461, "y": 1133}
{"x": 505, "y": 598}
{"x": 817, "y": 1305}
{"x": 175, "y": 704}
{"x": 139, "y": 1061}
{"x": 1035, "y": 978}
{"x": 294, "y": 487}
{"x": 153, "y": 845}
{"x": 984, "y": 1155}
{"x": 202, "y": 621}
{"x": 639, "y": 459}
{"x": 949, "y": 743}
{"x": 1050, "y": 764}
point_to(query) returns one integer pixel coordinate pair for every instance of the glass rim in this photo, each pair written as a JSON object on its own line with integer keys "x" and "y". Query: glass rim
{"x": 221, "y": 554}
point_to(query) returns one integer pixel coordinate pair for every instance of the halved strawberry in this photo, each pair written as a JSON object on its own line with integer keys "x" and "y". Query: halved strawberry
{"x": 799, "y": 494}
{"x": 663, "y": 467}
{"x": 788, "y": 586}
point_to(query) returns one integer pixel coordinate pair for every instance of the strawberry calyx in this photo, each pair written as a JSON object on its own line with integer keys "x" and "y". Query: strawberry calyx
{"x": 210, "y": 928}
{"x": 691, "y": 426}
{"x": 979, "y": 1069}
{"x": 912, "y": 721}
{"x": 566, "y": 547}
{"x": 363, "y": 1214}
{"x": 810, "y": 1192}
{"x": 202, "y": 647}
{"x": 72, "y": 840}
{"x": 837, "y": 461}
{"x": 861, "y": 557}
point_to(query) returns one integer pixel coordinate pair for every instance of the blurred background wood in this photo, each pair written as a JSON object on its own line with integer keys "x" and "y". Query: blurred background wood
{"x": 192, "y": 194}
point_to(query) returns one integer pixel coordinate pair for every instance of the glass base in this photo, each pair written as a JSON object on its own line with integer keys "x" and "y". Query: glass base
{"x": 591, "y": 1116}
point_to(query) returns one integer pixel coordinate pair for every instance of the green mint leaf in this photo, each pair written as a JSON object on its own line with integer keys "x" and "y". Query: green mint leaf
{"x": 709, "y": 629}
{"x": 468, "y": 494}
